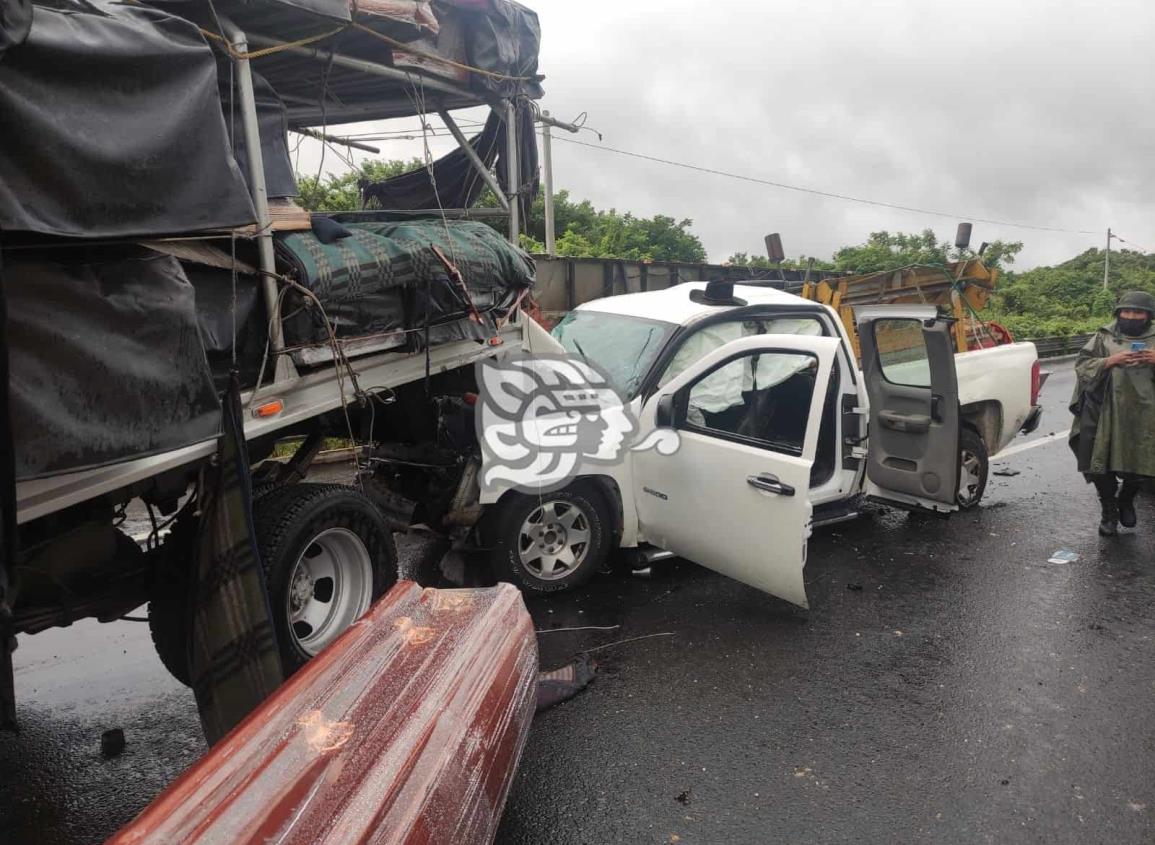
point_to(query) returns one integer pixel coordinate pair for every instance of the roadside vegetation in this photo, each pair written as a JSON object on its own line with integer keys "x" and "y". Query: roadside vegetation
{"x": 1059, "y": 301}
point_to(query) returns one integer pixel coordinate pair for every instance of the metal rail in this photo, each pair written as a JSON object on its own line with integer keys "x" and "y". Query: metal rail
{"x": 473, "y": 157}
{"x": 256, "y": 160}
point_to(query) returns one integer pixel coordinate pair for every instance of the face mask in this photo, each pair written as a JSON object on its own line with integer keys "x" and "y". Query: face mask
{"x": 1134, "y": 328}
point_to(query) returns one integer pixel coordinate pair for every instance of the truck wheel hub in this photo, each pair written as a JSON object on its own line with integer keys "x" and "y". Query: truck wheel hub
{"x": 302, "y": 589}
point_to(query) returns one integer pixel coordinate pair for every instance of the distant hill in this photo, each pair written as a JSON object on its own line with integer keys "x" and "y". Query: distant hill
{"x": 1069, "y": 298}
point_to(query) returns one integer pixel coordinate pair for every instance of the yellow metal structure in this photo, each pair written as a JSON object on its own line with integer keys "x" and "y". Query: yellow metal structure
{"x": 962, "y": 287}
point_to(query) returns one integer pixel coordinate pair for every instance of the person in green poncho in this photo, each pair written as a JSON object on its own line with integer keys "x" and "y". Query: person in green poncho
{"x": 1113, "y": 435}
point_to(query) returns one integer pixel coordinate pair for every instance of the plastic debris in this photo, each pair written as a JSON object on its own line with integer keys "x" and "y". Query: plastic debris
{"x": 563, "y": 684}
{"x": 1063, "y": 556}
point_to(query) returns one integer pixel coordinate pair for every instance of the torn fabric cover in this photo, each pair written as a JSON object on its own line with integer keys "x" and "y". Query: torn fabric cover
{"x": 504, "y": 40}
{"x": 234, "y": 663}
{"x": 121, "y": 127}
{"x": 280, "y": 181}
{"x": 458, "y": 184}
{"x": 106, "y": 361}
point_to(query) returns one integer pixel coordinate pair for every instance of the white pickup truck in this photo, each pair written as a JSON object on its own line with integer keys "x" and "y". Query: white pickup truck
{"x": 780, "y": 430}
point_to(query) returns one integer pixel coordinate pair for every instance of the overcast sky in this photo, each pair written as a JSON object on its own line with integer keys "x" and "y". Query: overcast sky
{"x": 1030, "y": 111}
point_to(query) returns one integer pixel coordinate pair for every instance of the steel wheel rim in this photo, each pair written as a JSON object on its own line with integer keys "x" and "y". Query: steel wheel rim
{"x": 554, "y": 539}
{"x": 330, "y": 587}
{"x": 970, "y": 478}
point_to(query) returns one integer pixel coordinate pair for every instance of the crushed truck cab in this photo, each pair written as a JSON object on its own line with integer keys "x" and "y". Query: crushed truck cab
{"x": 779, "y": 428}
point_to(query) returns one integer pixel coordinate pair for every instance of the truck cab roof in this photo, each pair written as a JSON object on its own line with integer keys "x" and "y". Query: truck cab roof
{"x": 674, "y": 305}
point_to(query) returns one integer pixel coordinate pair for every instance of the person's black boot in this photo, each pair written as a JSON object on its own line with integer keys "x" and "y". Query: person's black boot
{"x": 1109, "y": 524}
{"x": 1127, "y": 515}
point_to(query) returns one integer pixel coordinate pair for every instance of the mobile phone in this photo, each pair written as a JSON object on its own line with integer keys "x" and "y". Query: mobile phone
{"x": 1138, "y": 345}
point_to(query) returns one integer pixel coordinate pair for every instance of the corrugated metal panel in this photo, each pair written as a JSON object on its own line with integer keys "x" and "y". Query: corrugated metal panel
{"x": 407, "y": 729}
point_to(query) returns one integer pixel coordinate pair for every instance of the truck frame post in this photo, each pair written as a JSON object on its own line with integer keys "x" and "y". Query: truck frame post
{"x": 252, "y": 135}
{"x": 513, "y": 176}
{"x": 473, "y": 157}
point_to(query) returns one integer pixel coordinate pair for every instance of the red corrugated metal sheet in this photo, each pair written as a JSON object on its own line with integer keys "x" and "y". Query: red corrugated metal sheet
{"x": 407, "y": 729}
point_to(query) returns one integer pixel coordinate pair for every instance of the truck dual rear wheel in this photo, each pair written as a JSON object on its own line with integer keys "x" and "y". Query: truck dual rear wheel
{"x": 974, "y": 469}
{"x": 328, "y": 554}
{"x": 551, "y": 542}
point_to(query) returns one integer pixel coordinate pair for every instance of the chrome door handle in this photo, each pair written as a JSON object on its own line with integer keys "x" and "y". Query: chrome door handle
{"x": 769, "y": 483}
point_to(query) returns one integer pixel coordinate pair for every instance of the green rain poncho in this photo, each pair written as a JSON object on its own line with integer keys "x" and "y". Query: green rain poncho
{"x": 1114, "y": 429}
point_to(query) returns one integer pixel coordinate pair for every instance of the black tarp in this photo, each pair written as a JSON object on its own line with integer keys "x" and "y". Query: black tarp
{"x": 280, "y": 181}
{"x": 226, "y": 306}
{"x": 7, "y": 526}
{"x": 505, "y": 40}
{"x": 120, "y": 127}
{"x": 106, "y": 360}
{"x": 15, "y": 20}
{"x": 456, "y": 183}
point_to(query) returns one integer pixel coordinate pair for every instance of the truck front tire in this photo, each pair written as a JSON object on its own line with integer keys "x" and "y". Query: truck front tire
{"x": 552, "y": 542}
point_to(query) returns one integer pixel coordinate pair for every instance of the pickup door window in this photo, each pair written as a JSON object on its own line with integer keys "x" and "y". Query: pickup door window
{"x": 733, "y": 496}
{"x": 705, "y": 340}
{"x": 908, "y": 366}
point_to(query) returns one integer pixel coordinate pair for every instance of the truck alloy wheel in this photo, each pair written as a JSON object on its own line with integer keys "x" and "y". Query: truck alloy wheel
{"x": 552, "y": 542}
{"x": 328, "y": 554}
{"x": 974, "y": 469}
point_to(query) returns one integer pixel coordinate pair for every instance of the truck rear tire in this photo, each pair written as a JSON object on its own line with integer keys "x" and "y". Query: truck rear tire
{"x": 552, "y": 542}
{"x": 350, "y": 536}
{"x": 170, "y": 602}
{"x": 328, "y": 555}
{"x": 974, "y": 469}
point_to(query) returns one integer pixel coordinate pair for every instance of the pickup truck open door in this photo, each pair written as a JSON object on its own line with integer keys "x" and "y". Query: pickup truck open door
{"x": 909, "y": 369}
{"x": 734, "y": 496}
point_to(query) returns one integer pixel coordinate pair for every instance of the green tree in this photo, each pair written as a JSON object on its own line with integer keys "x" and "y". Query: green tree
{"x": 584, "y": 231}
{"x": 1069, "y": 298}
{"x": 742, "y": 259}
{"x": 889, "y": 251}
{"x": 343, "y": 193}
{"x": 581, "y": 229}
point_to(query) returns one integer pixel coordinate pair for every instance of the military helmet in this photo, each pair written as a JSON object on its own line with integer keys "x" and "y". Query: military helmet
{"x": 1138, "y": 300}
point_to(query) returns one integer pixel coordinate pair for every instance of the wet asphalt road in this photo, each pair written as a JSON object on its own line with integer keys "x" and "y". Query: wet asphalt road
{"x": 948, "y": 684}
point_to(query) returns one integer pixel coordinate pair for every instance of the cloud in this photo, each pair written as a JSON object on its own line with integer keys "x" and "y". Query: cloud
{"x": 1029, "y": 112}
{"x": 1023, "y": 112}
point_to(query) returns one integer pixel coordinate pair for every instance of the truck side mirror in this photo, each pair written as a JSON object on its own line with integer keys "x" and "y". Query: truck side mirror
{"x": 664, "y": 413}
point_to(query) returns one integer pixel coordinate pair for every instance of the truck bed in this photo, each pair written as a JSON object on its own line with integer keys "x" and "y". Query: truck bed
{"x": 310, "y": 395}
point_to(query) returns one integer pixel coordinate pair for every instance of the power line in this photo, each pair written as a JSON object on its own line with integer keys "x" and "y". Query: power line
{"x": 828, "y": 194}
{"x": 1139, "y": 247}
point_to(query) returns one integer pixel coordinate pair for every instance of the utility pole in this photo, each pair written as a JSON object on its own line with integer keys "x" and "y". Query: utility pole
{"x": 1107, "y": 259}
{"x": 547, "y": 161}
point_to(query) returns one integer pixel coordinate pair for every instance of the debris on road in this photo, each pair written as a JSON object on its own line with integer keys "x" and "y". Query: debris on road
{"x": 1007, "y": 473}
{"x": 562, "y": 684}
{"x": 112, "y": 743}
{"x": 1063, "y": 556}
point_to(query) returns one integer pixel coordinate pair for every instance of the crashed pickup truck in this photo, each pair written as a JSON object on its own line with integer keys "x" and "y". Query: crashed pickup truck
{"x": 777, "y": 428}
